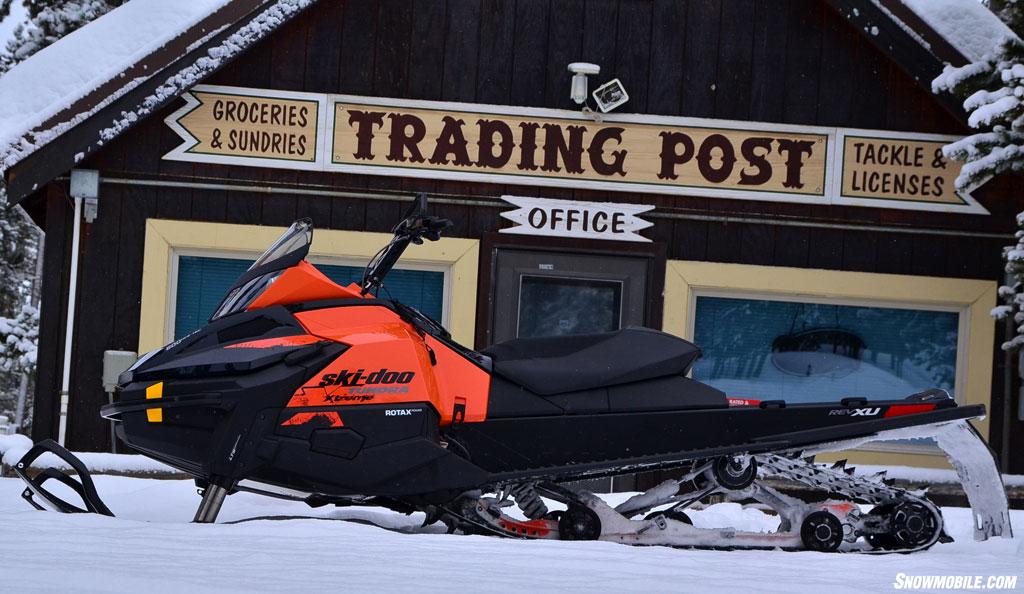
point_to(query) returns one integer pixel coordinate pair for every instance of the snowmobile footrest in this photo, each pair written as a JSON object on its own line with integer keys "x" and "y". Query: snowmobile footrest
{"x": 42, "y": 498}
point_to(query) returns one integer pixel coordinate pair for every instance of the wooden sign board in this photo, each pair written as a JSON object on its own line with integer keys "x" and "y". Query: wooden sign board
{"x": 253, "y": 127}
{"x": 576, "y": 151}
{"x": 543, "y": 147}
{"x": 574, "y": 218}
{"x": 885, "y": 166}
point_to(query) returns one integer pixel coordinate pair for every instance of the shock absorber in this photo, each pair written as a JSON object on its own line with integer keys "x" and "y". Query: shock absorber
{"x": 529, "y": 501}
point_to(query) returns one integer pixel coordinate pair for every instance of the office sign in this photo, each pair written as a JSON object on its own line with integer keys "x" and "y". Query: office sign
{"x": 573, "y": 218}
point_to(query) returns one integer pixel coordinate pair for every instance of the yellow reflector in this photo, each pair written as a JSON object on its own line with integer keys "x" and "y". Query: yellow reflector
{"x": 155, "y": 415}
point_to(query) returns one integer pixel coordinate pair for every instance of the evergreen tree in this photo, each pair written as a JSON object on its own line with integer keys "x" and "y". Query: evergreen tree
{"x": 19, "y": 319}
{"x": 48, "y": 21}
{"x": 993, "y": 93}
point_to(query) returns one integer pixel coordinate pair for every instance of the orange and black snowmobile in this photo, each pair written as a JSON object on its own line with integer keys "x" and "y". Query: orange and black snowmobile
{"x": 301, "y": 388}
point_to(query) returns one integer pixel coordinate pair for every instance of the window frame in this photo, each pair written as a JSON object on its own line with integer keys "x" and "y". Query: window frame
{"x": 962, "y": 330}
{"x": 971, "y": 299}
{"x": 327, "y": 260}
{"x": 166, "y": 240}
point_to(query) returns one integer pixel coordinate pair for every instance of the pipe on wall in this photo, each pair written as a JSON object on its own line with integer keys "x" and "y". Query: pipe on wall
{"x": 69, "y": 329}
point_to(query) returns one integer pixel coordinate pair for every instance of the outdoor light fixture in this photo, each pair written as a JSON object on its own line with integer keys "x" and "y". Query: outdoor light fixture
{"x": 608, "y": 96}
{"x": 580, "y": 71}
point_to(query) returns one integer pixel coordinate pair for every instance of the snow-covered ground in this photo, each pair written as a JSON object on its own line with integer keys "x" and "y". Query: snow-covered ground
{"x": 264, "y": 545}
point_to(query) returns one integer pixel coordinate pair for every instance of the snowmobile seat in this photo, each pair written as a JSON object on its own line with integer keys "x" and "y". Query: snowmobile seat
{"x": 559, "y": 364}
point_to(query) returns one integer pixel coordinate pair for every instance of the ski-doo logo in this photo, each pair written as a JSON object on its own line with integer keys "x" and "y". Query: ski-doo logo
{"x": 400, "y": 412}
{"x": 357, "y": 378}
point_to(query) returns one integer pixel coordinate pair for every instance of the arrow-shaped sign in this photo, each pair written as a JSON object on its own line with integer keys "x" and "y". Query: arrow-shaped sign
{"x": 571, "y": 218}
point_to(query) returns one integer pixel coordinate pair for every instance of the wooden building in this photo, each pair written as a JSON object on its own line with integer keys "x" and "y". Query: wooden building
{"x": 773, "y": 180}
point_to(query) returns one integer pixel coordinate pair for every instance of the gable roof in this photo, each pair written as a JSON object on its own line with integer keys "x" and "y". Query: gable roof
{"x": 967, "y": 26}
{"x": 92, "y": 85}
{"x": 98, "y": 81}
{"x": 923, "y": 36}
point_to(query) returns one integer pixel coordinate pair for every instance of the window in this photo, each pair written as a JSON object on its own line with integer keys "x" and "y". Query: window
{"x": 203, "y": 281}
{"x": 812, "y": 352}
{"x": 558, "y": 306}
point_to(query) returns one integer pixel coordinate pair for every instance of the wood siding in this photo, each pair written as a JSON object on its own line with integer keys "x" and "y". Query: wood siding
{"x": 792, "y": 61}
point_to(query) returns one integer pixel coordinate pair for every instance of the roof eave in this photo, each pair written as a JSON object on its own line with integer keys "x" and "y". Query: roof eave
{"x": 921, "y": 63}
{"x": 107, "y": 122}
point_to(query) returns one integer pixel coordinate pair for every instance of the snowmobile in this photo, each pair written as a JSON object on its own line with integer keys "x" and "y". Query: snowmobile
{"x": 304, "y": 389}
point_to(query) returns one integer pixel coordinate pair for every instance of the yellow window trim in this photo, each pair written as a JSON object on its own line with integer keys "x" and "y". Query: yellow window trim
{"x": 164, "y": 238}
{"x": 684, "y": 280}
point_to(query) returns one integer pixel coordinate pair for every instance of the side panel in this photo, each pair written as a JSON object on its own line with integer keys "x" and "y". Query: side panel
{"x": 459, "y": 382}
{"x": 386, "y": 362}
{"x": 390, "y": 362}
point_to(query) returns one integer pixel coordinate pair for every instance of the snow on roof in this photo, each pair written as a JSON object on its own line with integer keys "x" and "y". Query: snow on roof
{"x": 58, "y": 76}
{"x": 967, "y": 25}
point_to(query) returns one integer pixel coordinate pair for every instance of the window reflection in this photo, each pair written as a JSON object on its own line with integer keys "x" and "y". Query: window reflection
{"x": 554, "y": 306}
{"x": 807, "y": 352}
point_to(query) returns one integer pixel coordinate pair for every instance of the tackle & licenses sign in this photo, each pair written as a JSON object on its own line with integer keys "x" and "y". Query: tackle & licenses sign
{"x": 544, "y": 147}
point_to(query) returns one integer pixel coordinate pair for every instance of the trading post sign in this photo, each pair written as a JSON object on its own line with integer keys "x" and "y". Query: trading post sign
{"x": 542, "y": 147}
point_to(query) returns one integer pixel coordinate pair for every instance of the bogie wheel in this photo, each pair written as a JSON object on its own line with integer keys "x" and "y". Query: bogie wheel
{"x": 579, "y": 523}
{"x": 913, "y": 525}
{"x": 881, "y": 540}
{"x": 734, "y": 473}
{"x": 672, "y": 514}
{"x": 822, "y": 531}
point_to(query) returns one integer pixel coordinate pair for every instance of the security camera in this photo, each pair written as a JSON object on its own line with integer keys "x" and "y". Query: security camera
{"x": 580, "y": 71}
{"x": 610, "y": 95}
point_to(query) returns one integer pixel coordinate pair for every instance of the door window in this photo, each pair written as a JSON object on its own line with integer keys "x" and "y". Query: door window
{"x": 558, "y": 306}
{"x": 546, "y": 293}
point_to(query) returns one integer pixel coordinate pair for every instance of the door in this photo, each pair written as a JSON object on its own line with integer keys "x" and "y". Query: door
{"x": 557, "y": 287}
{"x": 547, "y": 293}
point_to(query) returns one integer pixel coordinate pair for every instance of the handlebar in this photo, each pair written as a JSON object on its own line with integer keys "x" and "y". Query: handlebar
{"x": 414, "y": 227}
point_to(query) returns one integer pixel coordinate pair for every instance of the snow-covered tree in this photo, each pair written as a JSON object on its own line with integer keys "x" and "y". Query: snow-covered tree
{"x": 992, "y": 90}
{"x": 19, "y": 319}
{"x": 49, "y": 20}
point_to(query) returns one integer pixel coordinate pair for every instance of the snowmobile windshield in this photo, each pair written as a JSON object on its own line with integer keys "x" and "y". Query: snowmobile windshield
{"x": 296, "y": 239}
{"x": 287, "y": 251}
